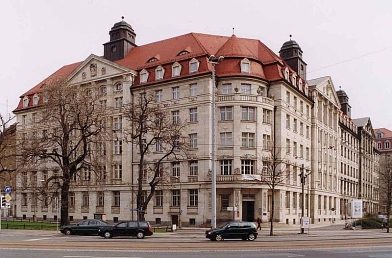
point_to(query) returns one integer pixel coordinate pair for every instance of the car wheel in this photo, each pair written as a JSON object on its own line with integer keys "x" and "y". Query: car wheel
{"x": 243, "y": 238}
{"x": 67, "y": 232}
{"x": 218, "y": 237}
{"x": 251, "y": 237}
{"x": 140, "y": 235}
{"x": 107, "y": 234}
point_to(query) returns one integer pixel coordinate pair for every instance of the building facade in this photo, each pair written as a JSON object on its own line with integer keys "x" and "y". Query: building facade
{"x": 263, "y": 107}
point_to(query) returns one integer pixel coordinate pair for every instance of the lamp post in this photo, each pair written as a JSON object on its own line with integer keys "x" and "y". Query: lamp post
{"x": 214, "y": 61}
{"x": 303, "y": 180}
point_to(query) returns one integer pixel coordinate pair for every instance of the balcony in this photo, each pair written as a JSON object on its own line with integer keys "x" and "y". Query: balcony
{"x": 239, "y": 97}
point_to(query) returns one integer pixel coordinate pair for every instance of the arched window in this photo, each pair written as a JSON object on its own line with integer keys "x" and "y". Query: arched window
{"x": 387, "y": 145}
{"x": 35, "y": 100}
{"x": 176, "y": 69}
{"x": 193, "y": 65}
{"x": 159, "y": 72}
{"x": 245, "y": 66}
{"x": 25, "y": 101}
{"x": 286, "y": 73}
{"x": 143, "y": 76}
{"x": 152, "y": 59}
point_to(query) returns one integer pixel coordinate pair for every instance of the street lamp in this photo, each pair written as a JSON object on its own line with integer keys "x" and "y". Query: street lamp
{"x": 303, "y": 176}
{"x": 214, "y": 61}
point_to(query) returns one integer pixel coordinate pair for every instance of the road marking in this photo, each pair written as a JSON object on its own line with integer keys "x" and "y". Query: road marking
{"x": 36, "y": 239}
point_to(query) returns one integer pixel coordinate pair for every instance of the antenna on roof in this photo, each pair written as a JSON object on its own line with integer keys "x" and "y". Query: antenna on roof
{"x": 233, "y": 30}
{"x": 290, "y": 36}
{"x": 122, "y": 17}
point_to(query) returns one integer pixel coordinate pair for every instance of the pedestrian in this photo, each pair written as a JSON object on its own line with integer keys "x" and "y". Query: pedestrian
{"x": 258, "y": 223}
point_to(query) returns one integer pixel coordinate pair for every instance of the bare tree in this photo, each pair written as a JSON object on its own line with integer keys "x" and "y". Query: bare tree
{"x": 274, "y": 173}
{"x": 7, "y": 152}
{"x": 385, "y": 187}
{"x": 157, "y": 138}
{"x": 68, "y": 123}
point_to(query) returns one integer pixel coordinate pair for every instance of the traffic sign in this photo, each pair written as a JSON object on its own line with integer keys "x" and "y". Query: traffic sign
{"x": 7, "y": 198}
{"x": 7, "y": 189}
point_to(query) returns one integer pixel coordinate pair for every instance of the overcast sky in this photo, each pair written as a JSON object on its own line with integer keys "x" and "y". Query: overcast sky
{"x": 349, "y": 40}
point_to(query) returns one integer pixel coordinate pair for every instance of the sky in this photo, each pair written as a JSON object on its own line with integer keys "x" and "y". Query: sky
{"x": 349, "y": 40}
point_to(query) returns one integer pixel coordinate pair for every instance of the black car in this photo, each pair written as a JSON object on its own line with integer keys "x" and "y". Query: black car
{"x": 138, "y": 229}
{"x": 84, "y": 227}
{"x": 233, "y": 230}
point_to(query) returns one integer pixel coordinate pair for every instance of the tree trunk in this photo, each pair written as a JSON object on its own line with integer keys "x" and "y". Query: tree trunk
{"x": 272, "y": 211}
{"x": 64, "y": 203}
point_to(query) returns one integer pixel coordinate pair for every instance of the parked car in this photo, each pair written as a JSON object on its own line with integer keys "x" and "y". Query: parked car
{"x": 233, "y": 230}
{"x": 84, "y": 227}
{"x": 138, "y": 229}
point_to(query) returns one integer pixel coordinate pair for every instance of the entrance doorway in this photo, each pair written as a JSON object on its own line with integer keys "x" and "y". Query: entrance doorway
{"x": 174, "y": 219}
{"x": 248, "y": 211}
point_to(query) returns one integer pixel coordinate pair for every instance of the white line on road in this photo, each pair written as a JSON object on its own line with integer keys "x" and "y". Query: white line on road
{"x": 36, "y": 239}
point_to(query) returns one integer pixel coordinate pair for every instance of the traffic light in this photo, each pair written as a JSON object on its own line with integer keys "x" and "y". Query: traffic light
{"x": 3, "y": 202}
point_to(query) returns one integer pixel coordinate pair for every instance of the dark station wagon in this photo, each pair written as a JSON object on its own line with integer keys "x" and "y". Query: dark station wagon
{"x": 138, "y": 229}
{"x": 233, "y": 230}
{"x": 84, "y": 227}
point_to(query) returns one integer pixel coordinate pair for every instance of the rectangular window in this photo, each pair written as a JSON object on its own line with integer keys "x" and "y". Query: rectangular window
{"x": 267, "y": 114}
{"x": 118, "y": 102}
{"x": 117, "y": 123}
{"x": 117, "y": 169}
{"x": 24, "y": 199}
{"x": 307, "y": 132}
{"x": 301, "y": 128}
{"x": 226, "y": 139}
{"x": 225, "y": 200}
{"x": 248, "y": 113}
{"x": 288, "y": 97}
{"x": 193, "y": 197}
{"x": 301, "y": 151}
{"x": 193, "y": 140}
{"x": 288, "y": 146}
{"x": 226, "y": 113}
{"x": 295, "y": 149}
{"x": 301, "y": 106}
{"x": 226, "y": 89}
{"x": 158, "y": 145}
{"x": 247, "y": 167}
{"x": 143, "y": 77}
{"x": 288, "y": 122}
{"x": 176, "y": 198}
{"x": 85, "y": 199}
{"x": 307, "y": 154}
{"x": 176, "y": 117}
{"x": 193, "y": 114}
{"x": 295, "y": 102}
{"x": 158, "y": 198}
{"x": 245, "y": 88}
{"x": 175, "y": 92}
{"x": 193, "y": 91}
{"x": 266, "y": 141}
{"x": 295, "y": 122}
{"x": 158, "y": 95}
{"x": 159, "y": 74}
{"x": 116, "y": 198}
{"x": 117, "y": 147}
{"x": 71, "y": 199}
{"x": 194, "y": 66}
{"x": 226, "y": 166}
{"x": 248, "y": 140}
{"x": 193, "y": 168}
{"x": 100, "y": 199}
{"x": 176, "y": 169}
{"x": 24, "y": 120}
{"x": 34, "y": 117}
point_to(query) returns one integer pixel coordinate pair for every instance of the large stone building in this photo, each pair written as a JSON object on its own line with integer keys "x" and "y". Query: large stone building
{"x": 264, "y": 105}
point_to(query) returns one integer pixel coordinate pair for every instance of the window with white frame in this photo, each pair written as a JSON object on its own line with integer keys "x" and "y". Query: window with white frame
{"x": 248, "y": 113}
{"x": 226, "y": 113}
{"x": 86, "y": 175}
{"x": 158, "y": 145}
{"x": 193, "y": 91}
{"x": 247, "y": 167}
{"x": 193, "y": 114}
{"x": 176, "y": 92}
{"x": 118, "y": 87}
{"x": 295, "y": 100}
{"x": 226, "y": 89}
{"x": 118, "y": 102}
{"x": 193, "y": 140}
{"x": 117, "y": 170}
{"x": 301, "y": 106}
{"x": 379, "y": 145}
{"x": 116, "y": 198}
{"x": 245, "y": 66}
{"x": 25, "y": 102}
{"x": 301, "y": 128}
{"x": 248, "y": 140}
{"x": 295, "y": 151}
{"x": 117, "y": 123}
{"x": 295, "y": 122}
{"x": 158, "y": 198}
{"x": 117, "y": 147}
{"x": 193, "y": 197}
{"x": 286, "y": 73}
{"x": 288, "y": 122}
{"x": 35, "y": 100}
{"x": 266, "y": 141}
{"x": 176, "y": 196}
{"x": 294, "y": 80}
{"x": 387, "y": 145}
{"x": 301, "y": 151}
{"x": 85, "y": 199}
{"x": 176, "y": 116}
{"x": 288, "y": 147}
{"x": 267, "y": 114}
{"x": 193, "y": 66}
{"x": 100, "y": 199}
{"x": 226, "y": 167}
{"x": 34, "y": 117}
{"x": 245, "y": 88}
{"x": 159, "y": 72}
{"x": 176, "y": 169}
{"x": 158, "y": 95}
{"x": 193, "y": 168}
{"x": 288, "y": 99}
{"x": 143, "y": 76}
{"x": 71, "y": 199}
{"x": 226, "y": 139}
{"x": 24, "y": 119}
{"x": 176, "y": 69}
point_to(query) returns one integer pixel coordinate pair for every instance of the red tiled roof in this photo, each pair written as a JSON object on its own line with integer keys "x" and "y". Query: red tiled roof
{"x": 386, "y": 133}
